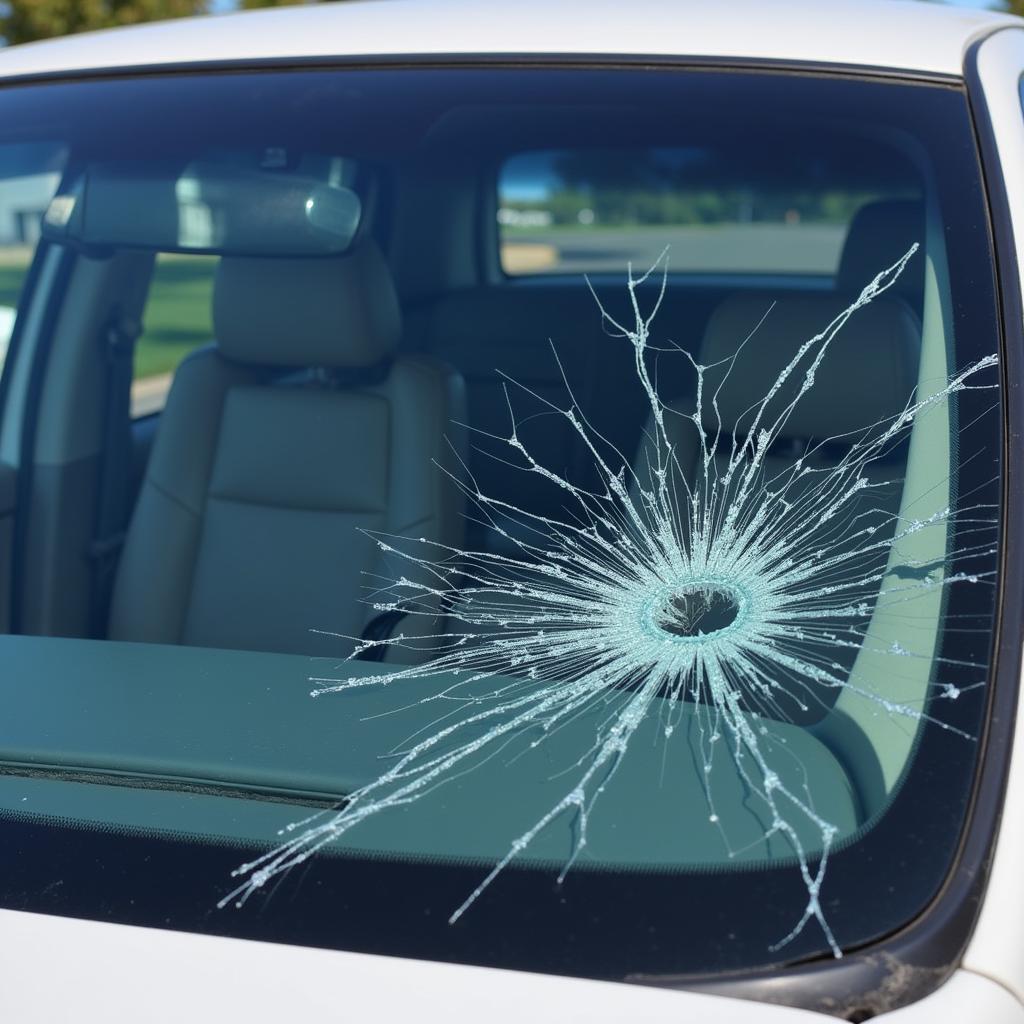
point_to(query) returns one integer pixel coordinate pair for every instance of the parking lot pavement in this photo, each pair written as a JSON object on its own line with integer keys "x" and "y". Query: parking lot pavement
{"x": 149, "y": 394}
{"x": 725, "y": 248}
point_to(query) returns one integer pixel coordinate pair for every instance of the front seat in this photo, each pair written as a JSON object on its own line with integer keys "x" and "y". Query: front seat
{"x": 867, "y": 376}
{"x": 298, "y": 430}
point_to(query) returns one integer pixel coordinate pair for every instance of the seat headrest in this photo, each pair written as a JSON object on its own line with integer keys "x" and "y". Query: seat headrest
{"x": 879, "y": 234}
{"x": 867, "y": 375}
{"x": 335, "y": 312}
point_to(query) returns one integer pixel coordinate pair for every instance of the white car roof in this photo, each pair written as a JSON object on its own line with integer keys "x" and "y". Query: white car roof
{"x": 891, "y": 34}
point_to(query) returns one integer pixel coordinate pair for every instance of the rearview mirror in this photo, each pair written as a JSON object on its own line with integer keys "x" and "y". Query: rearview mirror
{"x": 210, "y": 206}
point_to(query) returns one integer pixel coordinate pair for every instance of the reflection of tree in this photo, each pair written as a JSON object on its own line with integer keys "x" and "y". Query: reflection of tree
{"x": 700, "y": 186}
{"x": 24, "y": 21}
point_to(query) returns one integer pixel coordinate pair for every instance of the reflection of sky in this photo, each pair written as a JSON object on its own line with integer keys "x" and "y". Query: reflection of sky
{"x": 528, "y": 177}
{"x": 531, "y": 177}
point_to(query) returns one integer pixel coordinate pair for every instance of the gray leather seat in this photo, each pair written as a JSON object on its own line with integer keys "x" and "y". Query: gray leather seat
{"x": 297, "y": 431}
{"x": 869, "y": 373}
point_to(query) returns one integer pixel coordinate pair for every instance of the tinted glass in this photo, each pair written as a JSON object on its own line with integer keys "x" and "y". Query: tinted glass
{"x": 719, "y": 207}
{"x": 29, "y": 175}
{"x": 177, "y": 320}
{"x": 653, "y": 610}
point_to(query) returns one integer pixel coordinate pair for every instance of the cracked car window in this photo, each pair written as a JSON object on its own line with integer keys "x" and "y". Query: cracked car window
{"x": 570, "y": 540}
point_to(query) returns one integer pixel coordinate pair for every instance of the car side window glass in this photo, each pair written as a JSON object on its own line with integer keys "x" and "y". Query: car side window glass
{"x": 594, "y": 210}
{"x": 29, "y": 176}
{"x": 177, "y": 319}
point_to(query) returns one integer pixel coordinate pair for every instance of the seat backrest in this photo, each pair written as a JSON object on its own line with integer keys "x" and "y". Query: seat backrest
{"x": 280, "y": 446}
{"x": 866, "y": 378}
{"x": 880, "y": 233}
{"x": 533, "y": 332}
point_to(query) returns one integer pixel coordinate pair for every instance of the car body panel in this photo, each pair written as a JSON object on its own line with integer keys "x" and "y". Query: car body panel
{"x": 966, "y": 996}
{"x": 234, "y": 978}
{"x": 997, "y": 946}
{"x": 886, "y": 34}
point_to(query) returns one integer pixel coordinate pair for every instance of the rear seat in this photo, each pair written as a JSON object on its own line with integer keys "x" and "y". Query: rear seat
{"x": 511, "y": 327}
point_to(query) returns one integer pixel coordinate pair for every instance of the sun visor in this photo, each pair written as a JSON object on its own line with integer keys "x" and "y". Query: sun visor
{"x": 211, "y": 206}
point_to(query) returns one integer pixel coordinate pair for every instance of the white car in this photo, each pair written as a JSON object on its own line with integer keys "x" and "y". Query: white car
{"x": 574, "y": 573}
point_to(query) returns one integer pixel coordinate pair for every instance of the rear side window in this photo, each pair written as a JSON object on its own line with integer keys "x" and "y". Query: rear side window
{"x": 723, "y": 209}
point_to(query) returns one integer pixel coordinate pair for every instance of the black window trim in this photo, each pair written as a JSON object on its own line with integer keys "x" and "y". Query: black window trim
{"x": 680, "y": 62}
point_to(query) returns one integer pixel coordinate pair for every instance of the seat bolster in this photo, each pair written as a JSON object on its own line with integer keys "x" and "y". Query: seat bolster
{"x": 154, "y": 579}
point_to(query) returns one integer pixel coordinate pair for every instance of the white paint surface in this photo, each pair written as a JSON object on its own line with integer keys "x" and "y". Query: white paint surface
{"x": 965, "y": 999}
{"x": 59, "y": 969}
{"x": 880, "y": 33}
{"x": 997, "y": 947}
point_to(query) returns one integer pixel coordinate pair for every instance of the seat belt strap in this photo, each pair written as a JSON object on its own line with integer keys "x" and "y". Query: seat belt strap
{"x": 118, "y": 343}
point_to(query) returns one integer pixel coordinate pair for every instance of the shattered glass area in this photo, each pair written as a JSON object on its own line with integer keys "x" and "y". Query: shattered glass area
{"x": 727, "y": 596}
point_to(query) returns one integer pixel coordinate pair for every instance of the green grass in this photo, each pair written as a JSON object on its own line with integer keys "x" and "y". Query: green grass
{"x": 12, "y": 277}
{"x": 177, "y": 316}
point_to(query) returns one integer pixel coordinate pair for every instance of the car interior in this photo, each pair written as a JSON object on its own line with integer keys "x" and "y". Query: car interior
{"x": 351, "y": 390}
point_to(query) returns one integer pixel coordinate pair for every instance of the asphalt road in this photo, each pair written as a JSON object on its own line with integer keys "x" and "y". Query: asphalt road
{"x": 729, "y": 248}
